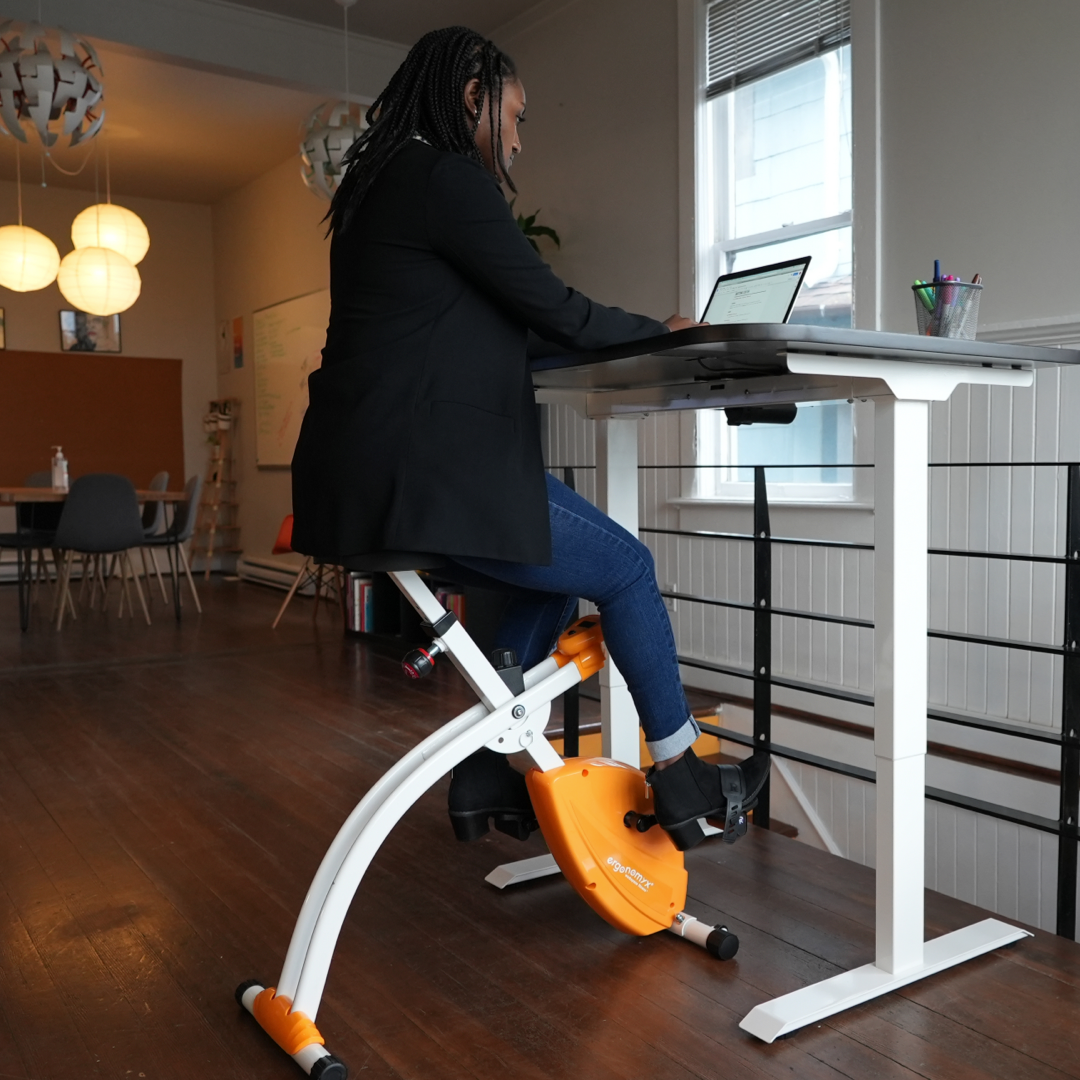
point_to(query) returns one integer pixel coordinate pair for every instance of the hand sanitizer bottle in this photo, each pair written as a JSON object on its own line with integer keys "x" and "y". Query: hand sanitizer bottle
{"x": 59, "y": 470}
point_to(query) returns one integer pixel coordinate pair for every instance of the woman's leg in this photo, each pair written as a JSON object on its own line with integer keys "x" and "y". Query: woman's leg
{"x": 595, "y": 558}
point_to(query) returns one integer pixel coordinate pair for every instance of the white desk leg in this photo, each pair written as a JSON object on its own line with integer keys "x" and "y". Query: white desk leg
{"x": 900, "y": 686}
{"x": 617, "y": 496}
{"x": 900, "y": 694}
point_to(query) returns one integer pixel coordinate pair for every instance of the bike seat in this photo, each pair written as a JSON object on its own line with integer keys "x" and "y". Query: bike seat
{"x": 373, "y": 561}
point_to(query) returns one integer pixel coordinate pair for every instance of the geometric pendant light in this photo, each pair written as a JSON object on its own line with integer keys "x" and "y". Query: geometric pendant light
{"x": 329, "y": 132}
{"x": 98, "y": 280}
{"x": 107, "y": 225}
{"x": 51, "y": 84}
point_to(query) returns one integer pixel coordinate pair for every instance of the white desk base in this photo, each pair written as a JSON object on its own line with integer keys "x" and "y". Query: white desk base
{"x": 819, "y": 1000}
{"x": 902, "y": 392}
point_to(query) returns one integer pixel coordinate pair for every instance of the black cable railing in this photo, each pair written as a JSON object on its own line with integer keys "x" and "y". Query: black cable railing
{"x": 1065, "y": 826}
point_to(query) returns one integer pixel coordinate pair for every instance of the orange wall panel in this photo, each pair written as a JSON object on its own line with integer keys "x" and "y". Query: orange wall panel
{"x": 113, "y": 413}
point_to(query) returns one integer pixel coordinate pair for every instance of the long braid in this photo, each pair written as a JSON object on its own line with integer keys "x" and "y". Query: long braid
{"x": 424, "y": 97}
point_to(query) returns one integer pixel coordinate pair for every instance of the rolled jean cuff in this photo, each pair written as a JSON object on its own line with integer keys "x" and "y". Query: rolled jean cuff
{"x": 676, "y": 743}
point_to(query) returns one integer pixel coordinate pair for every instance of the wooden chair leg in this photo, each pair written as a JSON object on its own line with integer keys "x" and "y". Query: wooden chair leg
{"x": 145, "y": 571}
{"x": 318, "y": 592}
{"x": 138, "y": 589}
{"x": 66, "y": 586}
{"x": 304, "y": 569}
{"x": 187, "y": 574}
{"x": 109, "y": 574}
{"x": 62, "y": 590}
{"x": 125, "y": 593}
{"x": 157, "y": 570}
{"x": 82, "y": 579}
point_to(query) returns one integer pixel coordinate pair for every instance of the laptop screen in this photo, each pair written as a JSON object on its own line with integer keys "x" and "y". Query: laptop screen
{"x": 765, "y": 294}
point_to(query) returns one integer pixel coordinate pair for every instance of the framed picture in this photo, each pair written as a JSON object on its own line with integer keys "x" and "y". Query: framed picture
{"x": 3, "y": 329}
{"x": 80, "y": 332}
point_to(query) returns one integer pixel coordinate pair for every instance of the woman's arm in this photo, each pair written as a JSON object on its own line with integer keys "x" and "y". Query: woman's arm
{"x": 473, "y": 228}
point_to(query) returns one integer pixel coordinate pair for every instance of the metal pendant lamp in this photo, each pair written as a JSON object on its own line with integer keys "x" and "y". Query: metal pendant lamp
{"x": 329, "y": 132}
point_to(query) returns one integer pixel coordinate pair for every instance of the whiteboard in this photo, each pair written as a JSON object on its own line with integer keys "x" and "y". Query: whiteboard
{"x": 288, "y": 347}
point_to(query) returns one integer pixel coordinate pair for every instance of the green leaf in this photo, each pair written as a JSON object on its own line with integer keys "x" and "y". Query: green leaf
{"x": 543, "y": 230}
{"x": 529, "y": 227}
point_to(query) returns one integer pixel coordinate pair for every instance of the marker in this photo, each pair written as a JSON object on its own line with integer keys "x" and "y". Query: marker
{"x": 937, "y": 271}
{"x": 925, "y": 296}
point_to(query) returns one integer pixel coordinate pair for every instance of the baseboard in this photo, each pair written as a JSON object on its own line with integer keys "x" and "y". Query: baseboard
{"x": 277, "y": 571}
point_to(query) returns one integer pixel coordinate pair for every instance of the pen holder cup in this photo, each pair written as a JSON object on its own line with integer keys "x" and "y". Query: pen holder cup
{"x": 947, "y": 309}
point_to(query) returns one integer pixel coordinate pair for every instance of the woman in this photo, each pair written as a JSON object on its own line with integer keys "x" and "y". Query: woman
{"x": 421, "y": 434}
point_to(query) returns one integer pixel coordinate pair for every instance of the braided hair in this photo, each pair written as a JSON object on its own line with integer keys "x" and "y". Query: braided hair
{"x": 424, "y": 98}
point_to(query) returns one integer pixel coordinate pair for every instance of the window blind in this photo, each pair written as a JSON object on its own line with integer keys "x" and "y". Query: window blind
{"x": 749, "y": 39}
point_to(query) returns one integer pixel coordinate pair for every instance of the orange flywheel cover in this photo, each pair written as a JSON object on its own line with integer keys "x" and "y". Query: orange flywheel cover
{"x": 636, "y": 881}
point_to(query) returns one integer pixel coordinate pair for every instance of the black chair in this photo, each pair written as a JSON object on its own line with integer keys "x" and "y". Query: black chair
{"x": 101, "y": 517}
{"x": 177, "y": 535}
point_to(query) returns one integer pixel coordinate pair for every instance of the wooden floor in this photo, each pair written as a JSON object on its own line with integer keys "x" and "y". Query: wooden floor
{"x": 166, "y": 794}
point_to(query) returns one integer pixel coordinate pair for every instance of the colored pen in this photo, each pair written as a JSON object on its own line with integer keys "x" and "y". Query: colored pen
{"x": 924, "y": 295}
{"x": 937, "y": 271}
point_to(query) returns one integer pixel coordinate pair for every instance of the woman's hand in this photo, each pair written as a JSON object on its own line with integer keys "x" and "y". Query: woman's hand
{"x": 680, "y": 322}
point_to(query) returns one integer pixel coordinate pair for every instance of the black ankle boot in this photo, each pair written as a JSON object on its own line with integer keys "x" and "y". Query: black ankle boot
{"x": 483, "y": 786}
{"x": 691, "y": 789}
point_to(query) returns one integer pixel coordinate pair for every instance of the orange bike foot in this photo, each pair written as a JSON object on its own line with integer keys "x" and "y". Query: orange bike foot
{"x": 294, "y": 1032}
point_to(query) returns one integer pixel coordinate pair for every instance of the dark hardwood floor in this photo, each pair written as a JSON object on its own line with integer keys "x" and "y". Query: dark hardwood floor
{"x": 166, "y": 794}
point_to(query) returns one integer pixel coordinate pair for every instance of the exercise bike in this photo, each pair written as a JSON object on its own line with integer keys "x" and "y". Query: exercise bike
{"x": 596, "y": 815}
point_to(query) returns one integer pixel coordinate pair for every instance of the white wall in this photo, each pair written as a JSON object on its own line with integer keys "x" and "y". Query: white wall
{"x": 269, "y": 246}
{"x": 979, "y": 154}
{"x": 600, "y": 144}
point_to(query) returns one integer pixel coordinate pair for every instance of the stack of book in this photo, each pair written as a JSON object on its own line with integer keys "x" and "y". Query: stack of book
{"x": 359, "y": 605}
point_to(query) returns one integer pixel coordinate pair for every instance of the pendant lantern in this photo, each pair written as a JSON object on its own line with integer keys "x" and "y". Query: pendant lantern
{"x": 106, "y": 225}
{"x": 98, "y": 280}
{"x": 28, "y": 259}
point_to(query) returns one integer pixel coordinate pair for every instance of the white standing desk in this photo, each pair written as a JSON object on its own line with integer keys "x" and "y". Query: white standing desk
{"x": 716, "y": 366}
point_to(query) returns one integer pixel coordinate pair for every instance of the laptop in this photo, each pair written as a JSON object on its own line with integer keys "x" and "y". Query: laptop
{"x": 765, "y": 294}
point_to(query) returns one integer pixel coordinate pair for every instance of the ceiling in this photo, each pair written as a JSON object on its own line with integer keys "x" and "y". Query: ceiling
{"x": 403, "y": 21}
{"x": 191, "y": 135}
{"x": 175, "y": 132}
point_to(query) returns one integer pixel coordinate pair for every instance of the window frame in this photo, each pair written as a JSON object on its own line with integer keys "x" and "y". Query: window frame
{"x": 711, "y": 258}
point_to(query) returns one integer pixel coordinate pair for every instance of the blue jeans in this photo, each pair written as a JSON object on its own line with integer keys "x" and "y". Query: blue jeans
{"x": 594, "y": 558}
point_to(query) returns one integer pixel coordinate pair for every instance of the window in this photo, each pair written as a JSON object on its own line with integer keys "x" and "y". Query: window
{"x": 821, "y": 435}
{"x": 776, "y": 184}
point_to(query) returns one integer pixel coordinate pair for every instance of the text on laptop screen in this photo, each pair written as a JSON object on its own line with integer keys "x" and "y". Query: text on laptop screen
{"x": 754, "y": 298}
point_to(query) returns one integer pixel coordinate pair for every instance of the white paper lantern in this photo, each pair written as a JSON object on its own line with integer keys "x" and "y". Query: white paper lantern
{"x": 98, "y": 280}
{"x": 28, "y": 259}
{"x": 329, "y": 132}
{"x": 59, "y": 95}
{"x": 110, "y": 226}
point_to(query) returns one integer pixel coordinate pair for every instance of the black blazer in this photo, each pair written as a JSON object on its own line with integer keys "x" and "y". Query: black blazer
{"x": 421, "y": 433}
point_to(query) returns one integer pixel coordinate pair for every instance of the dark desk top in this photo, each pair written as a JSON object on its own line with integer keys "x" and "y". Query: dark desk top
{"x": 751, "y": 350}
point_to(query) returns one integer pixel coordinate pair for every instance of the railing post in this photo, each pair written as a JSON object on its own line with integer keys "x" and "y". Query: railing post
{"x": 571, "y": 702}
{"x": 762, "y": 633}
{"x": 1070, "y": 715}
